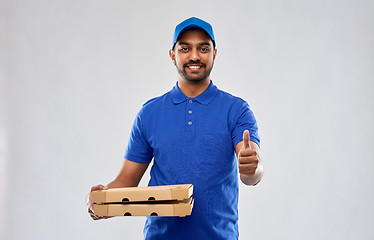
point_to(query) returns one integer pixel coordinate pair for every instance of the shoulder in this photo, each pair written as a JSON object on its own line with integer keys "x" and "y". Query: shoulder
{"x": 154, "y": 104}
{"x": 236, "y": 106}
{"x": 231, "y": 99}
{"x": 156, "y": 100}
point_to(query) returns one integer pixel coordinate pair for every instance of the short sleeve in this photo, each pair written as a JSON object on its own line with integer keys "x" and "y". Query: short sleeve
{"x": 245, "y": 120}
{"x": 138, "y": 149}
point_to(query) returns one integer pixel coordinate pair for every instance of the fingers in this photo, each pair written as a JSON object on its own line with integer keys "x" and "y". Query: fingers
{"x": 248, "y": 165}
{"x": 248, "y": 156}
{"x": 246, "y": 139}
{"x": 99, "y": 187}
{"x": 95, "y": 188}
{"x": 89, "y": 203}
{"x": 93, "y": 215}
{"x": 246, "y": 150}
{"x": 247, "y": 169}
{"x": 248, "y": 161}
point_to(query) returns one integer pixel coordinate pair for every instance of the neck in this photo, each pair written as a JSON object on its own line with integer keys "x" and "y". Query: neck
{"x": 192, "y": 90}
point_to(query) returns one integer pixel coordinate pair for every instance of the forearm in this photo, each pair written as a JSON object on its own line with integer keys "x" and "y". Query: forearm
{"x": 130, "y": 175}
{"x": 123, "y": 182}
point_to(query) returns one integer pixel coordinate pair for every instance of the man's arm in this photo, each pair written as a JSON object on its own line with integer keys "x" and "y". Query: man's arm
{"x": 249, "y": 161}
{"x": 129, "y": 176}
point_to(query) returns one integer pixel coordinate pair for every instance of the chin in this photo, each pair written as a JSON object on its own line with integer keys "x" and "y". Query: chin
{"x": 194, "y": 80}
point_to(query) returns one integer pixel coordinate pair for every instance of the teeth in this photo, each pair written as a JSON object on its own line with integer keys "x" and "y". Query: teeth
{"x": 194, "y": 67}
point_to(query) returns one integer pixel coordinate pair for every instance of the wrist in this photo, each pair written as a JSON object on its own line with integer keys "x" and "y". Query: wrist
{"x": 252, "y": 179}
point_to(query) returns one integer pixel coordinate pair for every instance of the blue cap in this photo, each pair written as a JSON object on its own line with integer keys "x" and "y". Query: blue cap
{"x": 193, "y": 23}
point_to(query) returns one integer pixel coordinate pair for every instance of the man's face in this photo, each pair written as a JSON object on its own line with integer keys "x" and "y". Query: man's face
{"x": 194, "y": 55}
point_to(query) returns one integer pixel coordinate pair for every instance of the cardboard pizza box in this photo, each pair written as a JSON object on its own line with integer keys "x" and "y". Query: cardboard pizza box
{"x": 140, "y": 194}
{"x": 158, "y": 208}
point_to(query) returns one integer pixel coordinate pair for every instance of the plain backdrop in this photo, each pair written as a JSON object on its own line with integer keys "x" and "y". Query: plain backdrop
{"x": 74, "y": 73}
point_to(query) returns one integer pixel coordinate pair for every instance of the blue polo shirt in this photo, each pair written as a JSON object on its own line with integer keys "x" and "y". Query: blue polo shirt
{"x": 192, "y": 140}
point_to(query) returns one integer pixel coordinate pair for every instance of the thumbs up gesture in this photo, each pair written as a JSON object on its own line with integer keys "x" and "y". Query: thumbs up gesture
{"x": 249, "y": 161}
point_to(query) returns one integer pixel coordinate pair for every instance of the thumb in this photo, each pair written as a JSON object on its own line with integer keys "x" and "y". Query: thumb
{"x": 246, "y": 140}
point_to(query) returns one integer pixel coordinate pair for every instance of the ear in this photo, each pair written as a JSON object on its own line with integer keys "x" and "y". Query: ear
{"x": 214, "y": 53}
{"x": 172, "y": 55}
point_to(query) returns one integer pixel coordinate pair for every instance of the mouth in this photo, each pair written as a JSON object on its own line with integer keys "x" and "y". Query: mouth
{"x": 194, "y": 67}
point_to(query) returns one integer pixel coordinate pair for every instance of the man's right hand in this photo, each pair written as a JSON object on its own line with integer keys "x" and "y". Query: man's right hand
{"x": 129, "y": 176}
{"x": 89, "y": 202}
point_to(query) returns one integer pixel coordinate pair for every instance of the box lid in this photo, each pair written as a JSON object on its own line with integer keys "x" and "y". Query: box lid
{"x": 136, "y": 194}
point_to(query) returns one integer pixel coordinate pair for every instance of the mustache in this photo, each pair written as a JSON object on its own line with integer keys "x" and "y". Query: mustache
{"x": 194, "y": 63}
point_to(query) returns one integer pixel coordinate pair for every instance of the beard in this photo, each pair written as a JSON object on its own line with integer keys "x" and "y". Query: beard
{"x": 194, "y": 79}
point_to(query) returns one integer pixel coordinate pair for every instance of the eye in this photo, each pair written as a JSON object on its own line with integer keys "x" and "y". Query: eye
{"x": 205, "y": 49}
{"x": 183, "y": 49}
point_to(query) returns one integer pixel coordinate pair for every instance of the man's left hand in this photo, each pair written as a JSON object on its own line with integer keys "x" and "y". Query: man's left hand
{"x": 248, "y": 159}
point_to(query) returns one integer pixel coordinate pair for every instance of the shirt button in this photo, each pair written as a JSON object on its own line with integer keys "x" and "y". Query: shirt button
{"x": 190, "y": 123}
{"x": 190, "y": 111}
{"x": 190, "y": 101}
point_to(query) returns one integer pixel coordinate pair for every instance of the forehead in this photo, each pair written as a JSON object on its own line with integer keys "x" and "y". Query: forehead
{"x": 195, "y": 36}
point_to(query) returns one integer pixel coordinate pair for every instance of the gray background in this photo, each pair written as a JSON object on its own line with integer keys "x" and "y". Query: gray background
{"x": 73, "y": 74}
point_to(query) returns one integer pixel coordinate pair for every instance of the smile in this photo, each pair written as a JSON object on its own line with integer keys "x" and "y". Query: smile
{"x": 194, "y": 67}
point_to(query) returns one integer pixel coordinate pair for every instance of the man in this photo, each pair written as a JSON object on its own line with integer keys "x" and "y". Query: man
{"x": 193, "y": 133}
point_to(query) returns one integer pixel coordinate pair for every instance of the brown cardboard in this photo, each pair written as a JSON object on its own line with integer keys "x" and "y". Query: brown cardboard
{"x": 136, "y": 194}
{"x": 165, "y": 208}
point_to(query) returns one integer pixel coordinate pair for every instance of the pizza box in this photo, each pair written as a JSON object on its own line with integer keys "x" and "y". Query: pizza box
{"x": 156, "y": 208}
{"x": 140, "y": 194}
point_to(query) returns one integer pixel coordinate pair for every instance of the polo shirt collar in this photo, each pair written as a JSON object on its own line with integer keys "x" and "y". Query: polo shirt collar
{"x": 204, "y": 98}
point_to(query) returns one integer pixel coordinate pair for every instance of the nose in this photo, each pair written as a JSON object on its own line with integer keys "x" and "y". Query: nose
{"x": 194, "y": 55}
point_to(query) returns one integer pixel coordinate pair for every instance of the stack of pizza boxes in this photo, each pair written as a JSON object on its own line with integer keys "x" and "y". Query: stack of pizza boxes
{"x": 167, "y": 200}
